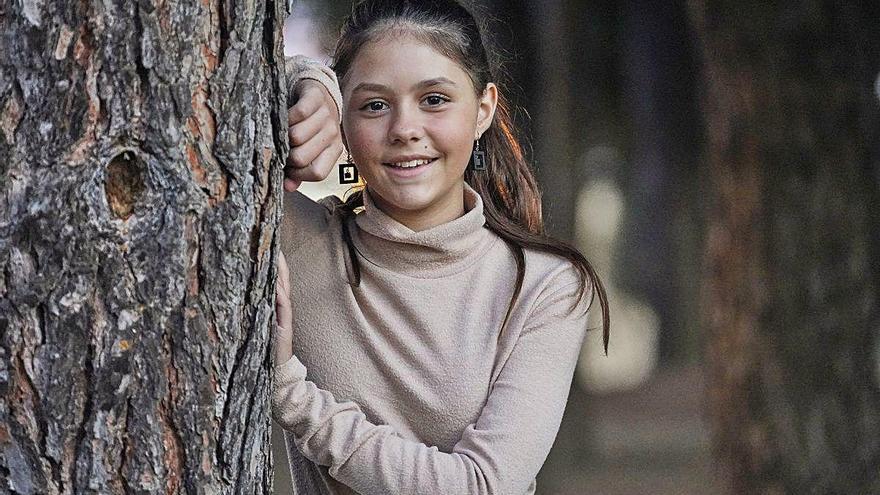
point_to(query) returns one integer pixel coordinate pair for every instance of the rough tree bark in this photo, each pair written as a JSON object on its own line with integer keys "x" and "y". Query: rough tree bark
{"x": 140, "y": 146}
{"x": 792, "y": 276}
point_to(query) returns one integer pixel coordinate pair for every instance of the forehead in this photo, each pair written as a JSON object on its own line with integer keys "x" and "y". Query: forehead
{"x": 400, "y": 61}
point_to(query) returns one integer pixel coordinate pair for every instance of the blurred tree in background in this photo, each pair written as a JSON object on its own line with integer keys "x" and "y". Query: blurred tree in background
{"x": 793, "y": 242}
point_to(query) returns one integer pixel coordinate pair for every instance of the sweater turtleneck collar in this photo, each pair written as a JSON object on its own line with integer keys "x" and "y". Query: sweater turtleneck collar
{"x": 435, "y": 252}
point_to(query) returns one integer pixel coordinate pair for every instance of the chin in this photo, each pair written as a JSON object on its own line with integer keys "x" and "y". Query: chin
{"x": 408, "y": 200}
{"x": 411, "y": 203}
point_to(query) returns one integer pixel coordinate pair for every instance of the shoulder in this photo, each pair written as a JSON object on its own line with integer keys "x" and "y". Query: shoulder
{"x": 556, "y": 283}
{"x": 550, "y": 271}
{"x": 305, "y": 219}
{"x": 298, "y": 202}
{"x": 301, "y": 207}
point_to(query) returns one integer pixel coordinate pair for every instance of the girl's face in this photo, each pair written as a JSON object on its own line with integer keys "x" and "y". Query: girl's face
{"x": 410, "y": 119}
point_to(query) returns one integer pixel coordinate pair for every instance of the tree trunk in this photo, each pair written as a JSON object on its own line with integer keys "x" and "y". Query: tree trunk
{"x": 659, "y": 231}
{"x": 792, "y": 247}
{"x": 140, "y": 158}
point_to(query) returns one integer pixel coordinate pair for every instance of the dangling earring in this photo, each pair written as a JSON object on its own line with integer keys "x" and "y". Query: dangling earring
{"x": 478, "y": 158}
{"x": 348, "y": 173}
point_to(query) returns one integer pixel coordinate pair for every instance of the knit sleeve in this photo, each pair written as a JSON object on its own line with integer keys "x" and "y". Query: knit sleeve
{"x": 300, "y": 67}
{"x": 501, "y": 453}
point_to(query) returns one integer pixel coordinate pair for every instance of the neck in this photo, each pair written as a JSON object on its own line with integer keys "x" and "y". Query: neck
{"x": 434, "y": 252}
{"x": 425, "y": 218}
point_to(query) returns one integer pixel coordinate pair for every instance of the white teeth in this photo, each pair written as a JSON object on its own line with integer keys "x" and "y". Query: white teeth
{"x": 410, "y": 164}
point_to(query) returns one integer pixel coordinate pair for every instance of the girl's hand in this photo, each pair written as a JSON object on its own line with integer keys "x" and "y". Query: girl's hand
{"x": 313, "y": 131}
{"x": 283, "y": 314}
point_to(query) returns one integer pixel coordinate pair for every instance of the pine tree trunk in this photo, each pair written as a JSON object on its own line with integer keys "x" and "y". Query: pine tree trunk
{"x": 140, "y": 146}
{"x": 792, "y": 277}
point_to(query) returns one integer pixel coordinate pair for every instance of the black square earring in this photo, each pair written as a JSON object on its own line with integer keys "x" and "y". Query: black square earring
{"x": 348, "y": 173}
{"x": 478, "y": 158}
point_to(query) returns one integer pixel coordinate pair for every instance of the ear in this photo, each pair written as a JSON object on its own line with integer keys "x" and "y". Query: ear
{"x": 486, "y": 111}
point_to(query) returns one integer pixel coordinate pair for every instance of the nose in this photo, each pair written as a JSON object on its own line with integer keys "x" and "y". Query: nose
{"x": 405, "y": 126}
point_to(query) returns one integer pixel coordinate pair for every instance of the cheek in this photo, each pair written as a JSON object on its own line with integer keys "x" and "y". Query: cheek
{"x": 364, "y": 140}
{"x": 456, "y": 136}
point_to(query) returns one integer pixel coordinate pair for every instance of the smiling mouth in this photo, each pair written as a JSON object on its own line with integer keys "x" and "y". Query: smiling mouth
{"x": 410, "y": 164}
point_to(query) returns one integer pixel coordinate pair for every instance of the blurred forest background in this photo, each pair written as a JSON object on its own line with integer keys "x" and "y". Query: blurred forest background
{"x": 719, "y": 163}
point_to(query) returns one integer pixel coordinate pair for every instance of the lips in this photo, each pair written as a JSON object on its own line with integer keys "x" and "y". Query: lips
{"x": 409, "y": 168}
{"x": 409, "y": 163}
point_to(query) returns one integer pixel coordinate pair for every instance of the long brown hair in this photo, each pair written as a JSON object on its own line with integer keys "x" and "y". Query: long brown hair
{"x": 511, "y": 199}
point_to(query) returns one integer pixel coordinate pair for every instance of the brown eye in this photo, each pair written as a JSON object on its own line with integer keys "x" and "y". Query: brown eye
{"x": 374, "y": 106}
{"x": 435, "y": 100}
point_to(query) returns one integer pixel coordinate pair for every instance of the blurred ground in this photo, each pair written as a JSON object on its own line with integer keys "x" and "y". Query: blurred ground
{"x": 651, "y": 440}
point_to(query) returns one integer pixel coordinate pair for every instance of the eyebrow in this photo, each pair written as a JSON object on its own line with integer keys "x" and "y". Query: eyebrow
{"x": 366, "y": 86}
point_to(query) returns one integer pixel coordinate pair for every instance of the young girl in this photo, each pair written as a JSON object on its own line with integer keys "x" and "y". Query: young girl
{"x": 429, "y": 338}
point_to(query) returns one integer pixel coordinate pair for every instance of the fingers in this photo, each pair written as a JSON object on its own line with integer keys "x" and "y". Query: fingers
{"x": 300, "y": 133}
{"x": 303, "y": 155}
{"x": 291, "y": 185}
{"x": 283, "y": 272}
{"x": 283, "y": 313}
{"x": 282, "y": 289}
{"x": 319, "y": 168}
{"x": 326, "y": 161}
{"x": 313, "y": 98}
{"x": 314, "y": 134}
{"x": 304, "y": 108}
{"x": 283, "y": 344}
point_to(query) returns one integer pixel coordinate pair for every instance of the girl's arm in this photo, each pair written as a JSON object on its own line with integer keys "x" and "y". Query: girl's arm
{"x": 500, "y": 453}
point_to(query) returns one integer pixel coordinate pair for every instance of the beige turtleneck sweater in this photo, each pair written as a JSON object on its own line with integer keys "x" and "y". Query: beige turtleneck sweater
{"x": 402, "y": 385}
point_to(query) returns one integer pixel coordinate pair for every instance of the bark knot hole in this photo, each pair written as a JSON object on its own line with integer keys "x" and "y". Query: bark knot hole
{"x": 124, "y": 183}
